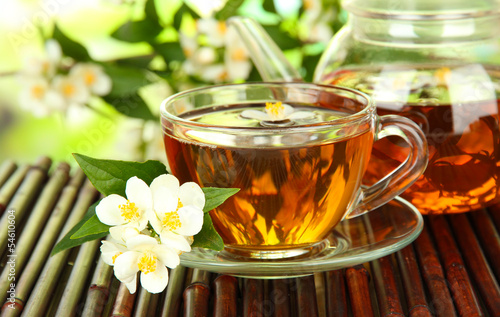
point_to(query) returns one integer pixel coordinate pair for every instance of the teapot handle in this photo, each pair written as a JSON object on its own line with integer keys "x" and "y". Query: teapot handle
{"x": 267, "y": 57}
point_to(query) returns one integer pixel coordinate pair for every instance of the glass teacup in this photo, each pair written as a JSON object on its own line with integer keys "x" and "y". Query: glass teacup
{"x": 296, "y": 151}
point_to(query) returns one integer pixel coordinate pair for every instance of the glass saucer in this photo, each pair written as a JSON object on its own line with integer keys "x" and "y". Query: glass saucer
{"x": 380, "y": 232}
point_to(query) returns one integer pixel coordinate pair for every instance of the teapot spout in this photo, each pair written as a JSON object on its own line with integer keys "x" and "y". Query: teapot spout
{"x": 269, "y": 60}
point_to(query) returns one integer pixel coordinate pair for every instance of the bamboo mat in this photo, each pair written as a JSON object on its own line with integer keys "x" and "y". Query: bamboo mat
{"x": 452, "y": 269}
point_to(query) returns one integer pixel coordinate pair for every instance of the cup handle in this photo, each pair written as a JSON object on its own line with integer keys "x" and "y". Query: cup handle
{"x": 396, "y": 182}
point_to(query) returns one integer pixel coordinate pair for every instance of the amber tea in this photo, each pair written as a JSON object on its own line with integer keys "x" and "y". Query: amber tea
{"x": 297, "y": 162}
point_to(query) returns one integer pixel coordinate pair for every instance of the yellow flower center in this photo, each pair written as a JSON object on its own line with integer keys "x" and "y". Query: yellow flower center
{"x": 442, "y": 75}
{"x": 172, "y": 220}
{"x": 147, "y": 263}
{"x": 115, "y": 256}
{"x": 238, "y": 55}
{"x": 68, "y": 90}
{"x": 221, "y": 27}
{"x": 275, "y": 110}
{"x": 37, "y": 91}
{"x": 130, "y": 212}
{"x": 90, "y": 78}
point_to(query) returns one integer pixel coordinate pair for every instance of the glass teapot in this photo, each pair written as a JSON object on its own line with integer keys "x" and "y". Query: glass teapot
{"x": 436, "y": 62}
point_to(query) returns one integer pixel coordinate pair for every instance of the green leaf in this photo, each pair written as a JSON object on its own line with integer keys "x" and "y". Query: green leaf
{"x": 282, "y": 39}
{"x": 90, "y": 227}
{"x": 70, "y": 47}
{"x": 268, "y": 5}
{"x": 170, "y": 51}
{"x": 131, "y": 106}
{"x": 179, "y": 15}
{"x": 137, "y": 31}
{"x": 214, "y": 197}
{"x": 110, "y": 176}
{"x": 229, "y": 9}
{"x": 208, "y": 237}
{"x": 68, "y": 243}
{"x": 150, "y": 10}
{"x": 126, "y": 80}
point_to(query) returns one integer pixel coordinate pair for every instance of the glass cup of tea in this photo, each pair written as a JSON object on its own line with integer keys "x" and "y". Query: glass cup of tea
{"x": 296, "y": 151}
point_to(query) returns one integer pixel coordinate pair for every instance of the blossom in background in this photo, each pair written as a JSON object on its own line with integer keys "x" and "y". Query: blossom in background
{"x": 215, "y": 53}
{"x": 178, "y": 211}
{"x": 276, "y": 112}
{"x": 314, "y": 25}
{"x": 48, "y": 86}
{"x": 147, "y": 255}
{"x": 126, "y": 213}
{"x": 39, "y": 97}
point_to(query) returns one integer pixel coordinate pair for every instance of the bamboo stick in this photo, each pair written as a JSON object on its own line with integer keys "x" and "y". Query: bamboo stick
{"x": 253, "y": 298}
{"x": 99, "y": 290}
{"x": 79, "y": 273}
{"x": 124, "y": 303}
{"x": 34, "y": 225}
{"x": 479, "y": 269}
{"x": 459, "y": 282}
{"x": 490, "y": 238}
{"x": 47, "y": 281}
{"x": 280, "y": 297}
{"x": 24, "y": 196}
{"x": 307, "y": 304}
{"x": 389, "y": 301}
{"x": 225, "y": 296}
{"x": 441, "y": 302}
{"x": 412, "y": 283}
{"x": 319, "y": 282}
{"x": 6, "y": 169}
{"x": 336, "y": 297}
{"x": 172, "y": 302}
{"x": 357, "y": 279}
{"x": 11, "y": 185}
{"x": 46, "y": 241}
{"x": 495, "y": 215}
{"x": 142, "y": 303}
{"x": 197, "y": 295}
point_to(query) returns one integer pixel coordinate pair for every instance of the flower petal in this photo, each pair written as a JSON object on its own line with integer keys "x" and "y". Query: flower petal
{"x": 301, "y": 115}
{"x": 138, "y": 192}
{"x": 287, "y": 109}
{"x": 132, "y": 285}
{"x": 166, "y": 180}
{"x": 126, "y": 266}
{"x": 123, "y": 233}
{"x": 254, "y": 114}
{"x": 175, "y": 241}
{"x": 110, "y": 250}
{"x": 164, "y": 201}
{"x": 167, "y": 256}
{"x": 141, "y": 243}
{"x": 191, "y": 193}
{"x": 156, "y": 281}
{"x": 108, "y": 210}
{"x": 191, "y": 220}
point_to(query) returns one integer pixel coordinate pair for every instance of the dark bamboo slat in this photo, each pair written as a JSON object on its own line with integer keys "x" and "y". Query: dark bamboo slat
{"x": 336, "y": 296}
{"x": 495, "y": 215}
{"x": 476, "y": 262}
{"x": 253, "y": 298}
{"x": 465, "y": 298}
{"x": 441, "y": 302}
{"x": 124, "y": 303}
{"x": 306, "y": 297}
{"x": 173, "y": 294}
{"x": 489, "y": 237}
{"x": 196, "y": 299}
{"x": 412, "y": 283}
{"x": 389, "y": 302}
{"x": 225, "y": 296}
{"x": 280, "y": 297}
{"x": 359, "y": 291}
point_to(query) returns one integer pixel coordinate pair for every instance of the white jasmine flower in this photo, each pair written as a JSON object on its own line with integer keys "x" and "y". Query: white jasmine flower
{"x": 45, "y": 65}
{"x": 93, "y": 77}
{"x": 72, "y": 89}
{"x": 39, "y": 97}
{"x": 145, "y": 254}
{"x": 216, "y": 73}
{"x": 178, "y": 211}
{"x": 277, "y": 112}
{"x": 110, "y": 250}
{"x": 128, "y": 214}
{"x": 236, "y": 57}
{"x": 214, "y": 30}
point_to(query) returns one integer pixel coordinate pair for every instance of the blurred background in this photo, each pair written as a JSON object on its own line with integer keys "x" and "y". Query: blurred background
{"x": 88, "y": 76}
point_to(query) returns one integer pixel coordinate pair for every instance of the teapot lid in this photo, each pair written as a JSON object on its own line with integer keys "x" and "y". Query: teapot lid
{"x": 422, "y": 9}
